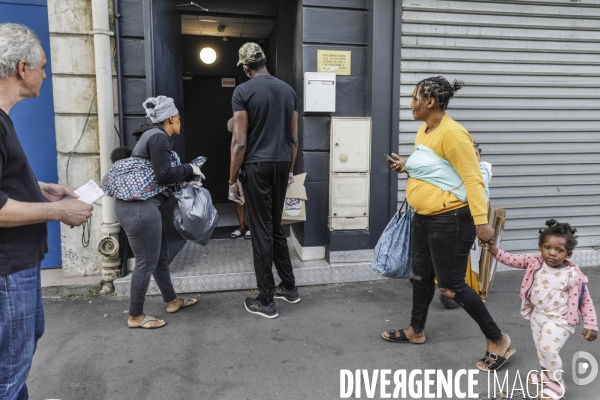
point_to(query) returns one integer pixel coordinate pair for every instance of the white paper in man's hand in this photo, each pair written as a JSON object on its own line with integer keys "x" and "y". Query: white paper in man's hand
{"x": 88, "y": 193}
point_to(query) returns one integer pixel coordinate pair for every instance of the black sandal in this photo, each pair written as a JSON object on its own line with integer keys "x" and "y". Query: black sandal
{"x": 398, "y": 339}
{"x": 496, "y": 361}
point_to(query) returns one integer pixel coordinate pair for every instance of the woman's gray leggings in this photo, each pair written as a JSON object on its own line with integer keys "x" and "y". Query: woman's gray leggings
{"x": 147, "y": 236}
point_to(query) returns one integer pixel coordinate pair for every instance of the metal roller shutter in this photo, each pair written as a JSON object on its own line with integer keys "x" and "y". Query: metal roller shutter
{"x": 532, "y": 99}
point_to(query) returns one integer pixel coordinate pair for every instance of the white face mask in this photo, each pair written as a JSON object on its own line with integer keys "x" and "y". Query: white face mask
{"x": 247, "y": 74}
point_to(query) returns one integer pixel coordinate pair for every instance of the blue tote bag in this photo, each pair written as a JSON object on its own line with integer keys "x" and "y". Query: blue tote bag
{"x": 393, "y": 253}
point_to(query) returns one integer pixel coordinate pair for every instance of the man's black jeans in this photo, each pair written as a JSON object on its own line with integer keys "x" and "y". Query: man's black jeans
{"x": 440, "y": 248}
{"x": 264, "y": 191}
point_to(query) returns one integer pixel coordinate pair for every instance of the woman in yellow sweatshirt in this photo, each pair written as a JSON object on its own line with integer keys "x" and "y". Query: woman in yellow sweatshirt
{"x": 444, "y": 227}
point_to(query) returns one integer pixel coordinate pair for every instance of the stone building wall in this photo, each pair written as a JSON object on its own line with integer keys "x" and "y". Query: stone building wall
{"x": 74, "y": 81}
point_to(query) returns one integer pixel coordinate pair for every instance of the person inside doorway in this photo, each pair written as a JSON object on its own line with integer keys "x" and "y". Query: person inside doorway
{"x": 243, "y": 230}
{"x": 264, "y": 144}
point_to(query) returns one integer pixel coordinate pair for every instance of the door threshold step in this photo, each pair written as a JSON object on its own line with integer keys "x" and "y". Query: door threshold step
{"x": 227, "y": 264}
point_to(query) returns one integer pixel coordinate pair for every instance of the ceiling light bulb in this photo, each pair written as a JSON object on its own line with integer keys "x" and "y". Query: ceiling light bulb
{"x": 208, "y": 55}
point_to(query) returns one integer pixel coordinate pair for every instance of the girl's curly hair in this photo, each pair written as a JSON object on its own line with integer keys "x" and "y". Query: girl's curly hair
{"x": 559, "y": 229}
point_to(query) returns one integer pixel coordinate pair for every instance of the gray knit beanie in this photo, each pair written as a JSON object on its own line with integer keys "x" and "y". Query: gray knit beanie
{"x": 160, "y": 108}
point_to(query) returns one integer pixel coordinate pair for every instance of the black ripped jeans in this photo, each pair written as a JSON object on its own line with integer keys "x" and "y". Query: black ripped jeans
{"x": 440, "y": 248}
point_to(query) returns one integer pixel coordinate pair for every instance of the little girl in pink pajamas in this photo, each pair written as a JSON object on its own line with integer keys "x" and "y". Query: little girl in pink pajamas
{"x": 555, "y": 298}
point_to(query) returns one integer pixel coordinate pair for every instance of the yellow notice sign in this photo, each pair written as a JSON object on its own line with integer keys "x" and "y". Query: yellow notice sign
{"x": 336, "y": 61}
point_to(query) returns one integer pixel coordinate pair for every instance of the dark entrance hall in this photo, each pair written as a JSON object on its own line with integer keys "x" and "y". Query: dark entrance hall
{"x": 208, "y": 86}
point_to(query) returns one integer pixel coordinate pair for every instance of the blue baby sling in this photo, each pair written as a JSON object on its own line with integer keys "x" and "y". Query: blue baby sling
{"x": 427, "y": 166}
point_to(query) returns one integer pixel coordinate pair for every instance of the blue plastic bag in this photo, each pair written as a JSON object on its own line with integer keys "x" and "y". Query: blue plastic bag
{"x": 393, "y": 252}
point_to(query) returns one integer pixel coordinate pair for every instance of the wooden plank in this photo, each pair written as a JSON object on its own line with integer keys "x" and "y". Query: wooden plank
{"x": 498, "y": 232}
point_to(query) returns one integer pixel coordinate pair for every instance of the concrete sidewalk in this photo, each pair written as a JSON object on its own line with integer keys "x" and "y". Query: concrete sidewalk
{"x": 55, "y": 285}
{"x": 217, "y": 350}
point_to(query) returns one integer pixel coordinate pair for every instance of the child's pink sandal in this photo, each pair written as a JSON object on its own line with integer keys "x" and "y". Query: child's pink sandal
{"x": 553, "y": 389}
{"x": 534, "y": 379}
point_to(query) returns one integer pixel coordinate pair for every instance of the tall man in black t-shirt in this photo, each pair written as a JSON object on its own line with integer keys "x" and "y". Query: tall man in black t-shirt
{"x": 264, "y": 145}
{"x": 23, "y": 214}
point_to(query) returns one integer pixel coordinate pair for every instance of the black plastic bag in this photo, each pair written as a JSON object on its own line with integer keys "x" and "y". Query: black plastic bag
{"x": 194, "y": 216}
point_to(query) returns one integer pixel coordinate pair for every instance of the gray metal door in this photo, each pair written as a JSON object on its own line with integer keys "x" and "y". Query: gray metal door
{"x": 532, "y": 70}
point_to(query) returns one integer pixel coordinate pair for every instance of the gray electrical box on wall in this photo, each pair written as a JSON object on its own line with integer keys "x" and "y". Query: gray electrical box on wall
{"x": 350, "y": 167}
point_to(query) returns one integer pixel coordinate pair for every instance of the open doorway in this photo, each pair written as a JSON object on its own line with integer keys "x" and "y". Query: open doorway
{"x": 208, "y": 87}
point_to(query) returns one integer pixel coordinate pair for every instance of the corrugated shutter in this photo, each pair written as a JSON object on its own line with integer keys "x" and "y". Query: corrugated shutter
{"x": 532, "y": 70}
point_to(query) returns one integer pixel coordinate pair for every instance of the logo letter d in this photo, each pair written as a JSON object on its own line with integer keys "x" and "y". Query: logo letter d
{"x": 583, "y": 367}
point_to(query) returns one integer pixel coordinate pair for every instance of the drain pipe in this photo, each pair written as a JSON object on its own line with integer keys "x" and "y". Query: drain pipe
{"x": 123, "y": 242}
{"x": 109, "y": 244}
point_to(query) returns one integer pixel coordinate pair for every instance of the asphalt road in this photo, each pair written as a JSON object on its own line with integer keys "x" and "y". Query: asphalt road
{"x": 217, "y": 350}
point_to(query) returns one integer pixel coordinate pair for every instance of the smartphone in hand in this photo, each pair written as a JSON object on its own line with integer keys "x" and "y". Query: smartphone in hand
{"x": 389, "y": 159}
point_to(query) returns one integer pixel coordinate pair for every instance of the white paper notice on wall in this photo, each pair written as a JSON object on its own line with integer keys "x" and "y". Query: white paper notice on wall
{"x": 88, "y": 193}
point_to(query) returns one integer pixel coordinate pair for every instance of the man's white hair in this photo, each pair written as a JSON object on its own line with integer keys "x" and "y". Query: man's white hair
{"x": 18, "y": 43}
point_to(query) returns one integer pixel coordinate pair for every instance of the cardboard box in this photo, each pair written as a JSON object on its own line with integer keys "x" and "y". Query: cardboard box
{"x": 487, "y": 263}
{"x": 294, "y": 208}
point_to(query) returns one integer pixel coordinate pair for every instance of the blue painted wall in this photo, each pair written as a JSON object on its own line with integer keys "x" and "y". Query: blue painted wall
{"x": 34, "y": 118}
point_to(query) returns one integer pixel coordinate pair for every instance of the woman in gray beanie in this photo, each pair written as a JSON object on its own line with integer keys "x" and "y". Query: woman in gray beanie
{"x": 142, "y": 220}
